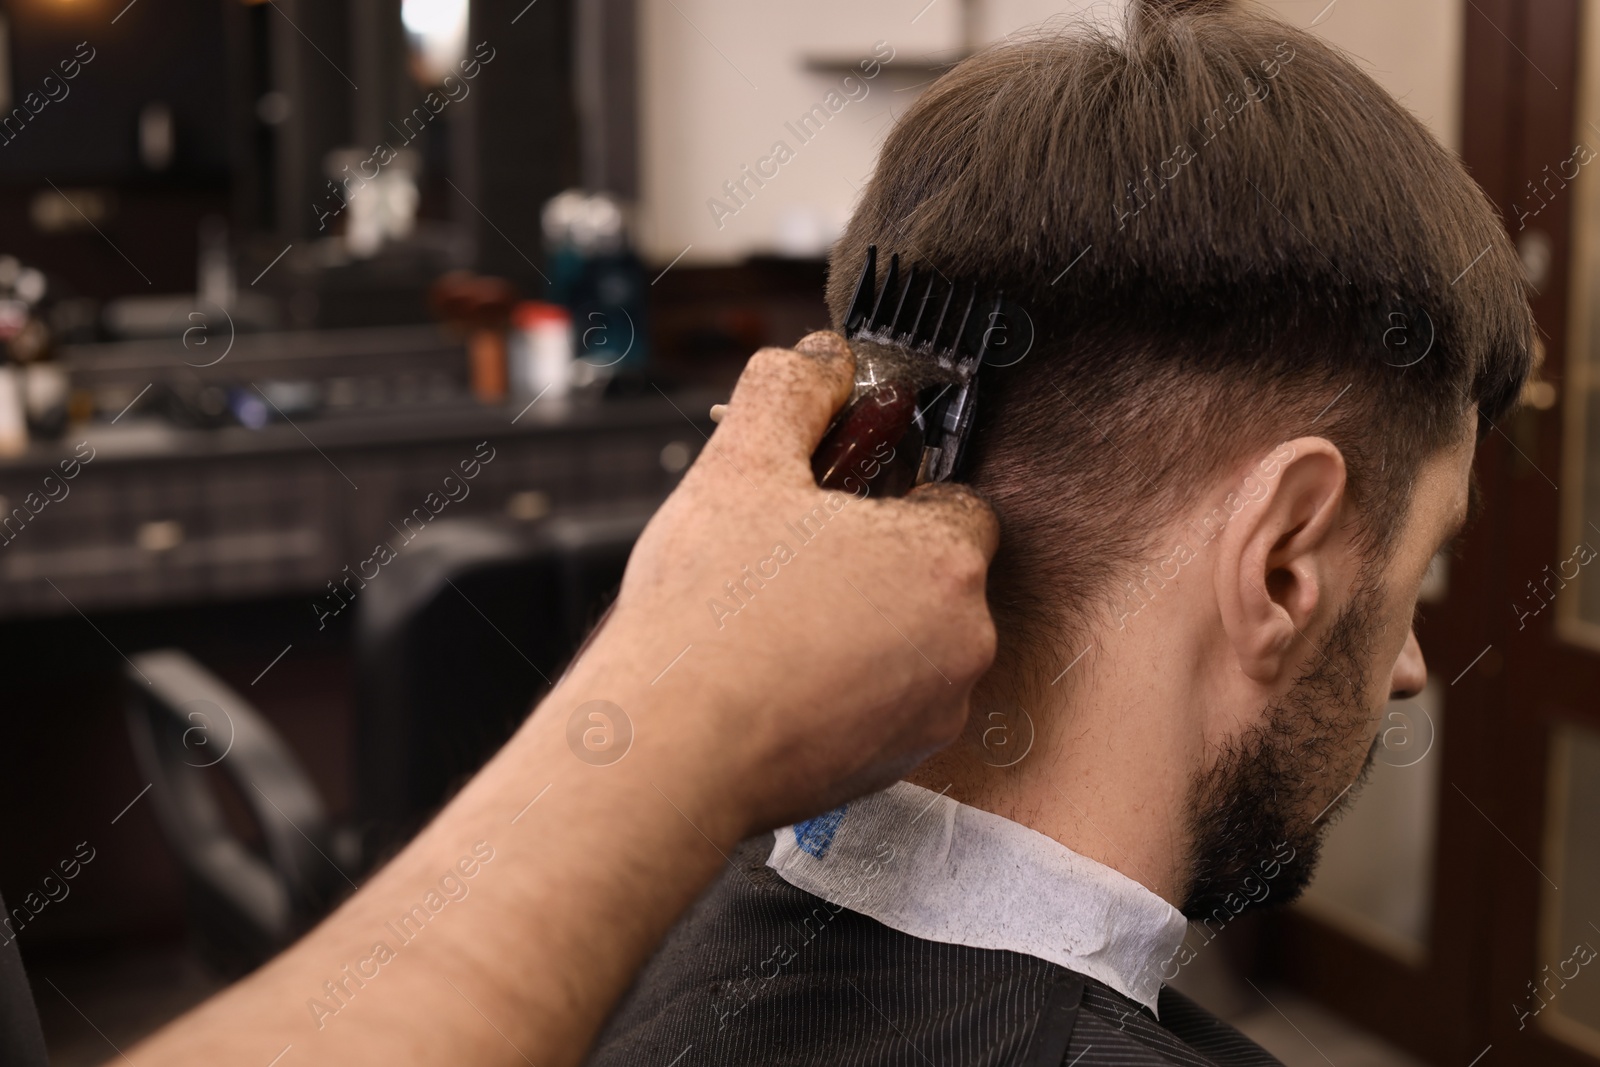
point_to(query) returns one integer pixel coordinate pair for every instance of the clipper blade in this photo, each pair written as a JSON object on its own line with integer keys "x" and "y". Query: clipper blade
{"x": 929, "y": 318}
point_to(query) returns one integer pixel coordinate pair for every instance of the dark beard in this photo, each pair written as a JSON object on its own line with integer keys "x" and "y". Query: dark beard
{"x": 1254, "y": 839}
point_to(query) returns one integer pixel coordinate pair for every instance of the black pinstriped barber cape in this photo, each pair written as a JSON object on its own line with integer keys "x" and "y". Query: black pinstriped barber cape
{"x": 908, "y": 929}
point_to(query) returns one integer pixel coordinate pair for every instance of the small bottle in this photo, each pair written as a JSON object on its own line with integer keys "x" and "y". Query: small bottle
{"x": 541, "y": 350}
{"x": 13, "y": 415}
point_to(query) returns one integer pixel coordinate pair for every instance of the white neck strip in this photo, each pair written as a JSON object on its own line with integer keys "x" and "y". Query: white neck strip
{"x": 926, "y": 865}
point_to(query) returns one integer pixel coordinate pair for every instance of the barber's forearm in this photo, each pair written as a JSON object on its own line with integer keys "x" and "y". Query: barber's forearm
{"x": 507, "y": 930}
{"x": 524, "y": 966}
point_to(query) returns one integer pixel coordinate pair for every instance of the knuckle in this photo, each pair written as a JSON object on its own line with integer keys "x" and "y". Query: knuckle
{"x": 824, "y": 346}
{"x": 973, "y": 648}
{"x": 971, "y": 567}
{"x": 780, "y": 363}
{"x": 985, "y": 642}
{"x": 765, "y": 369}
{"x": 960, "y": 569}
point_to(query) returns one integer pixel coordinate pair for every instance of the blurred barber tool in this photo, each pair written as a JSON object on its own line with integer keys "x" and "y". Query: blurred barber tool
{"x": 596, "y": 275}
{"x": 919, "y": 343}
{"x": 33, "y": 384}
{"x": 479, "y": 307}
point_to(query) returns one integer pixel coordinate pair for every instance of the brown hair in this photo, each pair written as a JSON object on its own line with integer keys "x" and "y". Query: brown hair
{"x": 1225, "y": 235}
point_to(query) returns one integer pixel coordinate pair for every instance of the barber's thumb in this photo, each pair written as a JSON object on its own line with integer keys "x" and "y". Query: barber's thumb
{"x": 786, "y": 398}
{"x": 960, "y": 511}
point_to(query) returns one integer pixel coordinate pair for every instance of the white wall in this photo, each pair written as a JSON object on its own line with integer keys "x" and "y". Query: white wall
{"x": 721, "y": 78}
{"x": 1410, "y": 47}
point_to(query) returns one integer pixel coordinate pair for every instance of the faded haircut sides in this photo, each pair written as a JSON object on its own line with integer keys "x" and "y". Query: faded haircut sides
{"x": 1225, "y": 235}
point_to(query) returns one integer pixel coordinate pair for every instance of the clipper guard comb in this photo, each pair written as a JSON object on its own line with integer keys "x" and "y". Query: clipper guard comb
{"x": 918, "y": 343}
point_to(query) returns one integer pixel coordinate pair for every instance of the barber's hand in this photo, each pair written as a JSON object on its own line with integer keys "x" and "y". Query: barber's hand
{"x": 786, "y": 647}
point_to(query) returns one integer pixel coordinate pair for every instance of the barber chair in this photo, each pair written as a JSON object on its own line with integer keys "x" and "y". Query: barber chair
{"x": 243, "y": 905}
{"x": 453, "y": 653}
{"x": 455, "y": 641}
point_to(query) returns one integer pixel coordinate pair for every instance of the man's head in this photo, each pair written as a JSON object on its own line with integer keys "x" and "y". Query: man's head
{"x": 1269, "y": 315}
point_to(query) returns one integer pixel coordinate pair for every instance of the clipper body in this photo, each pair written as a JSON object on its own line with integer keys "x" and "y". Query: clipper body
{"x": 919, "y": 343}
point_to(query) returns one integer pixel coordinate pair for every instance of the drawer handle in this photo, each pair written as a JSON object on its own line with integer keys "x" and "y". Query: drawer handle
{"x": 160, "y": 536}
{"x": 676, "y": 456}
{"x": 528, "y": 505}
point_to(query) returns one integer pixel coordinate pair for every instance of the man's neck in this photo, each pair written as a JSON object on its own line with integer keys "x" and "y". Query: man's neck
{"x": 1107, "y": 773}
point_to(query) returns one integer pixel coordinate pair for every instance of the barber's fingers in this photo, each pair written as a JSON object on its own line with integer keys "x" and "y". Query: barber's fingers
{"x": 955, "y": 533}
{"x": 958, "y": 510}
{"x": 785, "y": 400}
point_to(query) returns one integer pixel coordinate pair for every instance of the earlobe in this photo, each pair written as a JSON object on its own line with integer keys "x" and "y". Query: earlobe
{"x": 1278, "y": 555}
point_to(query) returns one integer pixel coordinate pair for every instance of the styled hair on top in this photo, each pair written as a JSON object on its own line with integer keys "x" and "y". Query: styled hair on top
{"x": 1225, "y": 235}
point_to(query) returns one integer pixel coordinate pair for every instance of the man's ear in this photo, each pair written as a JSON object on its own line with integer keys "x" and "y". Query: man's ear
{"x": 1279, "y": 552}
